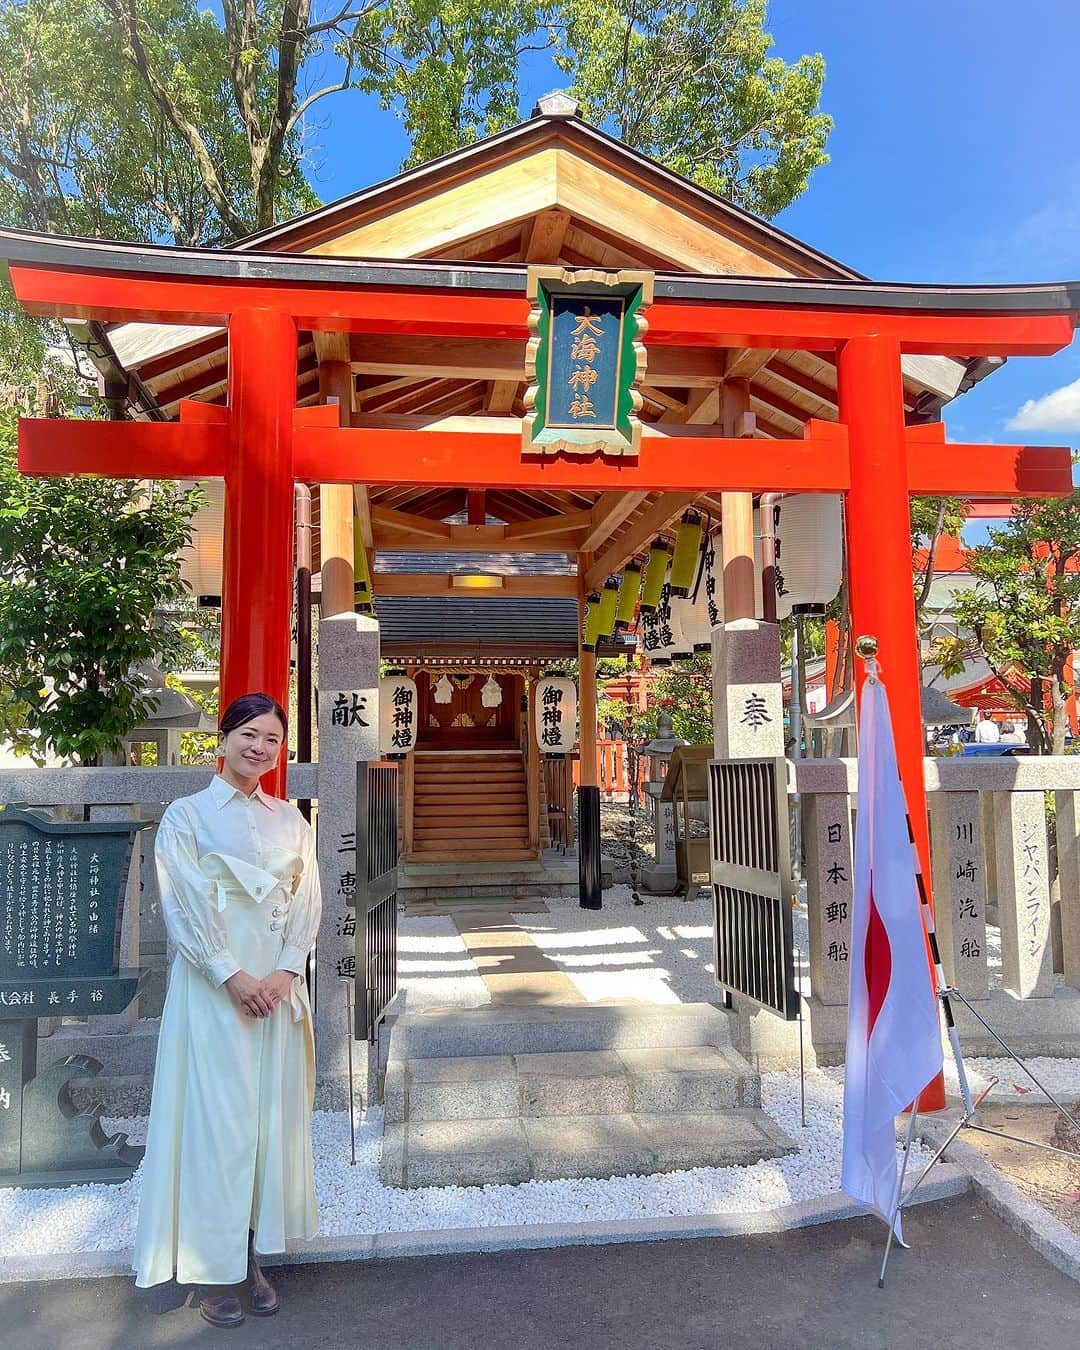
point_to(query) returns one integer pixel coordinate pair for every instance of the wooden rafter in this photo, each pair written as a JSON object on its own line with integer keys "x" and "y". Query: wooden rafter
{"x": 611, "y": 510}
{"x": 543, "y": 236}
{"x": 527, "y": 530}
{"x": 742, "y": 365}
{"x": 648, "y": 524}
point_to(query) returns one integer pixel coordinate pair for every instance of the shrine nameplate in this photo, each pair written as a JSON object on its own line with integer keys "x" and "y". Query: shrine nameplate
{"x": 62, "y": 888}
{"x": 584, "y": 361}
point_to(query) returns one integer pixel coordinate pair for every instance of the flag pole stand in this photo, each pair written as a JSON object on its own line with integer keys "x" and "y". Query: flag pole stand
{"x": 945, "y": 994}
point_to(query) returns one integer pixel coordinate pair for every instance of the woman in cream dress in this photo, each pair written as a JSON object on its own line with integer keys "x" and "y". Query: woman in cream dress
{"x": 229, "y": 1142}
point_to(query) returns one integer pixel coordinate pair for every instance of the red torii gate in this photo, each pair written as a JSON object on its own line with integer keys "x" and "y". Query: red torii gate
{"x": 259, "y": 442}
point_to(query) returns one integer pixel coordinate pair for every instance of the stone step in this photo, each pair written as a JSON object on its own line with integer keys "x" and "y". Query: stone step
{"x": 493, "y": 1030}
{"x": 501, "y": 1151}
{"x": 661, "y": 1080}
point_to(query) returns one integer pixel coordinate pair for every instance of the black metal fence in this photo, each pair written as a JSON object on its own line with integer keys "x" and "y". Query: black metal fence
{"x": 752, "y": 883}
{"x": 376, "y": 892}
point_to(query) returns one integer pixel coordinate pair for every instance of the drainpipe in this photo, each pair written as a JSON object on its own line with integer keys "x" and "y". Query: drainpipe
{"x": 302, "y": 497}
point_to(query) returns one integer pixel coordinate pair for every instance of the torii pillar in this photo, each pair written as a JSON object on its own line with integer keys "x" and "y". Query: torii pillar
{"x": 879, "y": 568}
{"x": 256, "y": 597}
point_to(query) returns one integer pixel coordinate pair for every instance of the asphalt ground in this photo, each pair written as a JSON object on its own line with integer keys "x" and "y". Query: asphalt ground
{"x": 968, "y": 1281}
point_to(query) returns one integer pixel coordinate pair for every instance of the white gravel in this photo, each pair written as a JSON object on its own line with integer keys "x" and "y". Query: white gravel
{"x": 352, "y": 1200}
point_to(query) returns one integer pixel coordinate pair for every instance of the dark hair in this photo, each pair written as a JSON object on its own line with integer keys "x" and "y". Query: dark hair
{"x": 249, "y": 706}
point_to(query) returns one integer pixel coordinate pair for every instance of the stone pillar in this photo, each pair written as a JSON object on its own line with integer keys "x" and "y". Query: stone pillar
{"x": 1023, "y": 874}
{"x": 1068, "y": 846}
{"x": 748, "y": 711}
{"x": 829, "y": 891}
{"x": 348, "y": 732}
{"x": 960, "y": 890}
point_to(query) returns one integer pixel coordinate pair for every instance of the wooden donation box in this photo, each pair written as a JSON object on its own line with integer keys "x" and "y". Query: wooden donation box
{"x": 62, "y": 888}
{"x": 687, "y": 783}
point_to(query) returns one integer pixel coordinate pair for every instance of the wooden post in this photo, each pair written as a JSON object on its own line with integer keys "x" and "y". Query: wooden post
{"x": 879, "y": 565}
{"x": 532, "y": 766}
{"x": 258, "y": 570}
{"x": 336, "y": 503}
{"x": 737, "y": 516}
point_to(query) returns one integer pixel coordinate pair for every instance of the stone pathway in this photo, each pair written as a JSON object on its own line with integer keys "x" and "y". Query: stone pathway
{"x": 512, "y": 966}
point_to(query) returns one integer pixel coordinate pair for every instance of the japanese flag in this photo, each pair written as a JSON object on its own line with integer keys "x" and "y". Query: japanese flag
{"x": 893, "y": 1042}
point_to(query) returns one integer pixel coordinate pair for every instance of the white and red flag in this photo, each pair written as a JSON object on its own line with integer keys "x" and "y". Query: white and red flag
{"x": 893, "y": 1041}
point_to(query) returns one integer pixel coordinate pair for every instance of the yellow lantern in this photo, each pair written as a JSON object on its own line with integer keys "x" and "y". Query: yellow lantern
{"x": 629, "y": 589}
{"x": 609, "y": 600}
{"x": 655, "y": 572}
{"x": 687, "y": 549}
{"x": 591, "y": 623}
{"x": 363, "y": 601}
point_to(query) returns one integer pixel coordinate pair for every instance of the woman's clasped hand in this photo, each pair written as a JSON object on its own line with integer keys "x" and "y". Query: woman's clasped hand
{"x": 259, "y": 998}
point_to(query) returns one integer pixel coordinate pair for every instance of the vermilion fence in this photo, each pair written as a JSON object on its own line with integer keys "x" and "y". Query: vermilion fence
{"x": 612, "y": 771}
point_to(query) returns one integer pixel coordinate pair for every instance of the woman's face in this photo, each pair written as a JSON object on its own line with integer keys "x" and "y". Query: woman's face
{"x": 252, "y": 749}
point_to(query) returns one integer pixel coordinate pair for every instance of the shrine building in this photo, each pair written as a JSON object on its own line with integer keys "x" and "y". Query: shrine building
{"x": 394, "y": 359}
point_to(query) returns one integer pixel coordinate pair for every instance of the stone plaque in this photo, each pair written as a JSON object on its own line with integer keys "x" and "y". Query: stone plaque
{"x": 829, "y": 891}
{"x": 748, "y": 710}
{"x": 348, "y": 733}
{"x": 1023, "y": 876}
{"x": 960, "y": 890}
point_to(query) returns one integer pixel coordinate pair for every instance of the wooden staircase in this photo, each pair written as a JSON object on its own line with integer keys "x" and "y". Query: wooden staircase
{"x": 470, "y": 806}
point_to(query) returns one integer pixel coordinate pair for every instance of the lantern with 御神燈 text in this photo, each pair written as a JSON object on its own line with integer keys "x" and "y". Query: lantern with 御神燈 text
{"x": 809, "y": 551}
{"x": 555, "y": 714}
{"x": 397, "y": 714}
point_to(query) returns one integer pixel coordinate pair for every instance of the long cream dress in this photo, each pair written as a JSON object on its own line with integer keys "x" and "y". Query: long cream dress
{"x": 229, "y": 1141}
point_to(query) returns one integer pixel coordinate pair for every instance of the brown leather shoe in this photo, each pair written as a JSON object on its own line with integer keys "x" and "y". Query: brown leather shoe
{"x": 264, "y": 1299}
{"x": 220, "y": 1307}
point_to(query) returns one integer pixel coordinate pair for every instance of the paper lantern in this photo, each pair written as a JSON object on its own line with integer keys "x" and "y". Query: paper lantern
{"x": 609, "y": 601}
{"x": 629, "y": 590}
{"x": 693, "y": 622}
{"x": 200, "y": 561}
{"x": 687, "y": 549}
{"x": 669, "y": 637}
{"x": 713, "y": 585}
{"x": 655, "y": 573}
{"x": 809, "y": 551}
{"x": 649, "y": 637}
{"x": 363, "y": 598}
{"x": 555, "y": 715}
{"x": 398, "y": 708}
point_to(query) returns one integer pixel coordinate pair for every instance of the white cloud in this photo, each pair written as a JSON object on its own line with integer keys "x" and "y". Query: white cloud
{"x": 1057, "y": 411}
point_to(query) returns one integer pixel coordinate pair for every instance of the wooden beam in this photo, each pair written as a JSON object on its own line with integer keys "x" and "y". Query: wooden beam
{"x": 436, "y": 584}
{"x": 525, "y": 530}
{"x": 407, "y": 522}
{"x": 624, "y": 546}
{"x": 500, "y": 397}
{"x": 336, "y": 503}
{"x": 475, "y": 506}
{"x": 546, "y": 236}
{"x": 362, "y": 503}
{"x": 500, "y": 359}
{"x": 741, "y": 365}
{"x": 610, "y": 511}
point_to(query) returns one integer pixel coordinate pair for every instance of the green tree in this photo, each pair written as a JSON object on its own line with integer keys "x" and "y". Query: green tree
{"x": 1023, "y": 617}
{"x": 693, "y": 85}
{"x": 85, "y": 566}
{"x": 931, "y": 519}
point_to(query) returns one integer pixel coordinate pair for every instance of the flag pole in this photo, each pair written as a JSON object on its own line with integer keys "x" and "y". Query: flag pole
{"x": 898, "y": 1196}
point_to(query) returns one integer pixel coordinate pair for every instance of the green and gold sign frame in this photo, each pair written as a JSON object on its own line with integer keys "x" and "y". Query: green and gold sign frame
{"x": 585, "y": 360}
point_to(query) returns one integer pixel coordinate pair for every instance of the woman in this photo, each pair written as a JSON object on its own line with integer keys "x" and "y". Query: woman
{"x": 229, "y": 1143}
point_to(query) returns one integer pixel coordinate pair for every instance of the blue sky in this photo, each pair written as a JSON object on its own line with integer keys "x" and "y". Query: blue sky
{"x": 955, "y": 158}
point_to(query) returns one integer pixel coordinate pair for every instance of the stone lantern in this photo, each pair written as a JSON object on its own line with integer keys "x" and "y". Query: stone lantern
{"x": 661, "y": 879}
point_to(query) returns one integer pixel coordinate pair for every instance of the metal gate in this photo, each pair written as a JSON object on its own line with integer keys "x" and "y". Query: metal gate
{"x": 750, "y": 850}
{"x": 376, "y": 893}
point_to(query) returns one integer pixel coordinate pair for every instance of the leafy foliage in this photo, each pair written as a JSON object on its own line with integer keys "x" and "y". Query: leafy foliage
{"x": 84, "y": 566}
{"x": 693, "y": 85}
{"x": 1024, "y": 615}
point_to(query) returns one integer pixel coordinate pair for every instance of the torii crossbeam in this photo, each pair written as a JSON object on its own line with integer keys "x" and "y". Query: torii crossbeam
{"x": 260, "y": 442}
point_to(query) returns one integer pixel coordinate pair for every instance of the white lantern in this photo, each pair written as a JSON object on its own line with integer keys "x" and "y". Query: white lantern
{"x": 398, "y": 708}
{"x": 694, "y": 621}
{"x": 683, "y": 626}
{"x": 649, "y": 637}
{"x": 713, "y": 585}
{"x": 200, "y": 561}
{"x": 809, "y": 551}
{"x": 555, "y": 714}
{"x": 669, "y": 634}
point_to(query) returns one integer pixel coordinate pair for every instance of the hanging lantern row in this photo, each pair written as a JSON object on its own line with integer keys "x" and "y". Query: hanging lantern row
{"x": 363, "y": 596}
{"x": 397, "y": 714}
{"x": 555, "y": 715}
